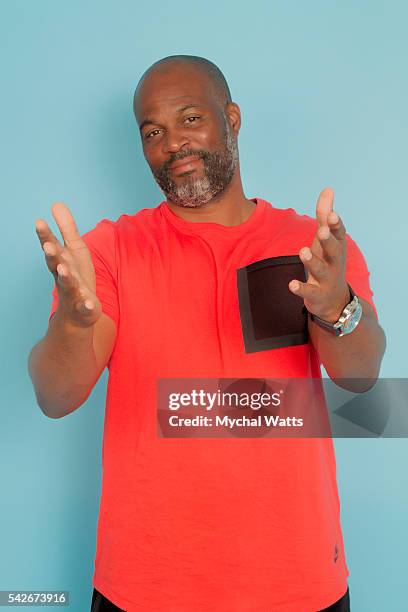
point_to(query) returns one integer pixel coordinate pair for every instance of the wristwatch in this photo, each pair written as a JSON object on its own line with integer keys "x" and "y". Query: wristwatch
{"x": 348, "y": 320}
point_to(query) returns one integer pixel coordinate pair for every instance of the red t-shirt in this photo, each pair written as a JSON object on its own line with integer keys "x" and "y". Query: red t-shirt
{"x": 220, "y": 524}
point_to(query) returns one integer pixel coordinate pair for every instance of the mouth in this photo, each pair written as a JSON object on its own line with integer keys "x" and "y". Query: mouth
{"x": 184, "y": 165}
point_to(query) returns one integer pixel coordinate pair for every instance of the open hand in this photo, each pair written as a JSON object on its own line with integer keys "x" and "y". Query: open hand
{"x": 326, "y": 293}
{"x": 72, "y": 268}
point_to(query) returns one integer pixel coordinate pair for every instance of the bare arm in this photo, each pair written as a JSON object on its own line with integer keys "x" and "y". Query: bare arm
{"x": 65, "y": 365}
{"x": 352, "y": 361}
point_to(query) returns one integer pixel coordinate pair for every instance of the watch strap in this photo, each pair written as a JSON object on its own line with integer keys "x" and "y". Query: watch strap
{"x": 334, "y": 328}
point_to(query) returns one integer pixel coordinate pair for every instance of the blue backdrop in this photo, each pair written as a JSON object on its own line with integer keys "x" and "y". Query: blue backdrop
{"x": 322, "y": 88}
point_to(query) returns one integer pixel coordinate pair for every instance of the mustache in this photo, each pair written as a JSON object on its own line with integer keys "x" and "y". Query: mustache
{"x": 181, "y": 155}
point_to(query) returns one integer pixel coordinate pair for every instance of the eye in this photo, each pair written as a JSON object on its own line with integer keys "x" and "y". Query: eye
{"x": 152, "y": 133}
{"x": 192, "y": 117}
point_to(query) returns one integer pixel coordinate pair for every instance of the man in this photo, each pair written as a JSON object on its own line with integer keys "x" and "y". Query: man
{"x": 190, "y": 523}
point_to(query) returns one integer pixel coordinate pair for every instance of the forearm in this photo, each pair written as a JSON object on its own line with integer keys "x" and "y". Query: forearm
{"x": 63, "y": 367}
{"x": 352, "y": 361}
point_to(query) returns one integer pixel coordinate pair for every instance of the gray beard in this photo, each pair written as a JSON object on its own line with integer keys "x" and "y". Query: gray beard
{"x": 219, "y": 168}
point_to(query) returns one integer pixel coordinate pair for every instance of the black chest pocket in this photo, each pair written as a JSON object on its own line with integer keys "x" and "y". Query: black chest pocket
{"x": 271, "y": 315}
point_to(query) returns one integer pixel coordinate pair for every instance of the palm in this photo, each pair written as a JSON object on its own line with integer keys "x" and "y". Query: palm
{"x": 72, "y": 267}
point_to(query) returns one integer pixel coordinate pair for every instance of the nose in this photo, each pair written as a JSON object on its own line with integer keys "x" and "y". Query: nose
{"x": 174, "y": 141}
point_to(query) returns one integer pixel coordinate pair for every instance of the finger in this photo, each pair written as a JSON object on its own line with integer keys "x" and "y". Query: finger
{"x": 314, "y": 265}
{"x": 44, "y": 232}
{"x": 67, "y": 226}
{"x": 53, "y": 253}
{"x": 79, "y": 298}
{"x": 65, "y": 278}
{"x": 336, "y": 226}
{"x": 331, "y": 247}
{"x": 56, "y": 254}
{"x": 324, "y": 206}
{"x": 52, "y": 249}
{"x": 85, "y": 307}
{"x": 306, "y": 291}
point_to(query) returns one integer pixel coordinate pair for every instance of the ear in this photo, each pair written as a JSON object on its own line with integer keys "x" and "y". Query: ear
{"x": 233, "y": 113}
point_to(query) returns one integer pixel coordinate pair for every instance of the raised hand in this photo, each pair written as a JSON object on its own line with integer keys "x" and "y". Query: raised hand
{"x": 72, "y": 268}
{"x": 326, "y": 293}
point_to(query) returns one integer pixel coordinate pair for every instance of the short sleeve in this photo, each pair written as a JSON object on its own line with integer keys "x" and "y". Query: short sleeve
{"x": 101, "y": 242}
{"x": 357, "y": 274}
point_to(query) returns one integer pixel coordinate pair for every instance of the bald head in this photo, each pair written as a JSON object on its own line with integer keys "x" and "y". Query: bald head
{"x": 204, "y": 68}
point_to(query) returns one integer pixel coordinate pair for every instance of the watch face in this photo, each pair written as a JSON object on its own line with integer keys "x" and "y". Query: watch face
{"x": 352, "y": 321}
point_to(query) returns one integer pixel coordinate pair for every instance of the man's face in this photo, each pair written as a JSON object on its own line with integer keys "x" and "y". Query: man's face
{"x": 187, "y": 139}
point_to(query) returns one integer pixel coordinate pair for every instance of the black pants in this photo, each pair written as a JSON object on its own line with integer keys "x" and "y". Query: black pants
{"x": 101, "y": 604}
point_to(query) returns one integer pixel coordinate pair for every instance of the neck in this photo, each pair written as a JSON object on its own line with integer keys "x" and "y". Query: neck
{"x": 229, "y": 208}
